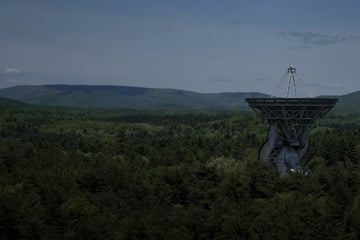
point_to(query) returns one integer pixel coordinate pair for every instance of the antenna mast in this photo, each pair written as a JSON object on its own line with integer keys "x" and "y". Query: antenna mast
{"x": 291, "y": 71}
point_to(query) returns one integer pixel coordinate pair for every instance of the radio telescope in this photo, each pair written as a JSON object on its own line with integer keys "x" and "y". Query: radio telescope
{"x": 290, "y": 121}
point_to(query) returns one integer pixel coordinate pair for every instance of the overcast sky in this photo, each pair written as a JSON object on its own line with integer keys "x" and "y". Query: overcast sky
{"x": 203, "y": 46}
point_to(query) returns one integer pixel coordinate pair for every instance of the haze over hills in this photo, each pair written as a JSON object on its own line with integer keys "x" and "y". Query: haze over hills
{"x": 124, "y": 97}
{"x": 138, "y": 97}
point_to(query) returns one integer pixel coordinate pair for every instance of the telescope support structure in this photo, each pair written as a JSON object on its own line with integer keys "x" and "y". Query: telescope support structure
{"x": 290, "y": 121}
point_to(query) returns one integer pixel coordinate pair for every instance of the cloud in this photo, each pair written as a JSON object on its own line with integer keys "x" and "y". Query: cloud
{"x": 10, "y": 76}
{"x": 261, "y": 79}
{"x": 11, "y": 72}
{"x": 336, "y": 86}
{"x": 332, "y": 86}
{"x": 220, "y": 80}
{"x": 225, "y": 26}
{"x": 311, "y": 38}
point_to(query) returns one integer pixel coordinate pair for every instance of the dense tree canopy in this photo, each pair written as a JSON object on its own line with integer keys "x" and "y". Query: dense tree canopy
{"x": 120, "y": 174}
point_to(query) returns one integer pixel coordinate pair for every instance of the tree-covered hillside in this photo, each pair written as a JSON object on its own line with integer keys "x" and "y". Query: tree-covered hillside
{"x": 122, "y": 174}
{"x": 142, "y": 98}
{"x": 350, "y": 101}
{"x": 124, "y": 97}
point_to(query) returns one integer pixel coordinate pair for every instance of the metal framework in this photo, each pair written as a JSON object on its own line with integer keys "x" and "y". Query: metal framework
{"x": 291, "y": 71}
{"x": 290, "y": 121}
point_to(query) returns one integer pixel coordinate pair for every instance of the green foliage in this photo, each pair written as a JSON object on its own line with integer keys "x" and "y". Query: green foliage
{"x": 109, "y": 174}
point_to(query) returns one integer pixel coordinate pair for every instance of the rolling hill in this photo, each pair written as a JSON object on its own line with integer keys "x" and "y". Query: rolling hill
{"x": 350, "y": 101}
{"x": 140, "y": 98}
{"x": 124, "y": 97}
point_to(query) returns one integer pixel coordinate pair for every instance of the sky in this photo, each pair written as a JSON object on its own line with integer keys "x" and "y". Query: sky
{"x": 197, "y": 45}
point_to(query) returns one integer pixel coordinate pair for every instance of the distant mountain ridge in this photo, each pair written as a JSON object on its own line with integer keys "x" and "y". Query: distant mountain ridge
{"x": 140, "y": 98}
{"x": 350, "y": 101}
{"x": 124, "y": 97}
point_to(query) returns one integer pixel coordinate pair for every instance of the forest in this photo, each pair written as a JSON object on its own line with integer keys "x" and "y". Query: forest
{"x": 77, "y": 173}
